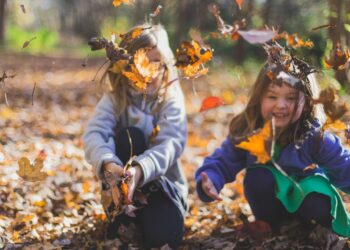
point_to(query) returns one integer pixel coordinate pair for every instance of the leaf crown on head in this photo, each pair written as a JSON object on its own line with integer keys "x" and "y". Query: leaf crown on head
{"x": 283, "y": 67}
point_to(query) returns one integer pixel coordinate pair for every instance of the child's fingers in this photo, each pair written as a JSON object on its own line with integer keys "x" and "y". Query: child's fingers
{"x": 209, "y": 188}
{"x": 114, "y": 168}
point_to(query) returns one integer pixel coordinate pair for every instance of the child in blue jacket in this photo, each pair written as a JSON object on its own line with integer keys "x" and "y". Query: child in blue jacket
{"x": 316, "y": 162}
{"x": 143, "y": 116}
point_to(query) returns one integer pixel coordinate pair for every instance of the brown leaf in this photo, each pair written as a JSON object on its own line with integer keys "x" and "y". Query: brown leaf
{"x": 26, "y": 43}
{"x": 23, "y": 8}
{"x": 338, "y": 58}
{"x": 30, "y": 172}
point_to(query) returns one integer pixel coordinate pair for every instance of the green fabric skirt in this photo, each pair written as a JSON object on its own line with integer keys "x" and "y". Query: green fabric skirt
{"x": 292, "y": 193}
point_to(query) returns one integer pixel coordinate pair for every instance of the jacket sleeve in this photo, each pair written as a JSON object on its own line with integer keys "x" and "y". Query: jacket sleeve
{"x": 221, "y": 167}
{"x": 334, "y": 159}
{"x": 170, "y": 140}
{"x": 99, "y": 144}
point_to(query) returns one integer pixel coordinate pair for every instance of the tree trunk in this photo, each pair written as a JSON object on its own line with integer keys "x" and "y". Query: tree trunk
{"x": 267, "y": 12}
{"x": 2, "y": 21}
{"x": 335, "y": 19}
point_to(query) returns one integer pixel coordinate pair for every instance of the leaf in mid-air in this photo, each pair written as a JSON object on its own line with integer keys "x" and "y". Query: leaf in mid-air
{"x": 210, "y": 103}
{"x": 117, "y": 3}
{"x": 256, "y": 144}
{"x": 338, "y": 58}
{"x": 142, "y": 71}
{"x": 26, "y": 43}
{"x": 239, "y": 3}
{"x": 257, "y": 36}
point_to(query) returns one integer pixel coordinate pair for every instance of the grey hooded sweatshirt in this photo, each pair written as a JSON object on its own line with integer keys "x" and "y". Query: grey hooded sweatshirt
{"x": 160, "y": 160}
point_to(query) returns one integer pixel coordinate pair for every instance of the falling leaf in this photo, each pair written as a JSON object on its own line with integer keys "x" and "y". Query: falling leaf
{"x": 26, "y": 43}
{"x": 156, "y": 12}
{"x": 239, "y": 3}
{"x": 117, "y": 3}
{"x": 118, "y": 66}
{"x": 294, "y": 41}
{"x": 257, "y": 36}
{"x": 225, "y": 29}
{"x": 23, "y": 8}
{"x": 338, "y": 58}
{"x": 332, "y": 107}
{"x": 323, "y": 26}
{"x": 210, "y": 103}
{"x": 30, "y": 172}
{"x": 256, "y": 144}
{"x": 190, "y": 58}
{"x": 142, "y": 71}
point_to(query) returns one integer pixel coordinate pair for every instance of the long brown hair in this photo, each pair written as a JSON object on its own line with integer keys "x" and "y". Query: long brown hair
{"x": 250, "y": 119}
{"x": 152, "y": 36}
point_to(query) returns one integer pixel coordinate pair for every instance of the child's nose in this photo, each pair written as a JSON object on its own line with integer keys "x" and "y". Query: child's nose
{"x": 281, "y": 103}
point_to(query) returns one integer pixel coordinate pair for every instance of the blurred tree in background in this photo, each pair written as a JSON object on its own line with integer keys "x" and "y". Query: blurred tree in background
{"x": 66, "y": 25}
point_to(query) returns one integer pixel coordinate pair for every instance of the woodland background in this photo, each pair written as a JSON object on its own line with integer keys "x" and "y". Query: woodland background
{"x": 51, "y": 96}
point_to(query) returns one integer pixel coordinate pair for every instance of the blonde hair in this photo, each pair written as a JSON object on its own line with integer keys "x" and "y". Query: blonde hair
{"x": 152, "y": 36}
{"x": 250, "y": 119}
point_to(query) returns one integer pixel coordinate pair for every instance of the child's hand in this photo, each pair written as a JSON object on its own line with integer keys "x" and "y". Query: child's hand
{"x": 113, "y": 168}
{"x": 135, "y": 174}
{"x": 209, "y": 188}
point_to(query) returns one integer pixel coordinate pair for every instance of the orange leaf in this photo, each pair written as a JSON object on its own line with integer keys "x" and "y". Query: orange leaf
{"x": 336, "y": 125}
{"x": 338, "y": 58}
{"x": 310, "y": 167}
{"x": 117, "y": 3}
{"x": 256, "y": 144}
{"x": 125, "y": 191}
{"x": 210, "y": 103}
{"x": 239, "y": 3}
{"x": 142, "y": 71}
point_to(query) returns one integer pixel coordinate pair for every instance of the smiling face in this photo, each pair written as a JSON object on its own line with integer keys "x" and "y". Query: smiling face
{"x": 279, "y": 102}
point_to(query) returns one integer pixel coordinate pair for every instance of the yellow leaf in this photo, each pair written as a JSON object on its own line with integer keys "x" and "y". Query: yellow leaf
{"x": 39, "y": 203}
{"x": 255, "y": 144}
{"x": 136, "y": 32}
{"x": 30, "y": 172}
{"x": 136, "y": 78}
{"x": 193, "y": 72}
{"x": 117, "y": 3}
{"x": 154, "y": 133}
{"x": 7, "y": 113}
{"x": 336, "y": 125}
{"x": 118, "y": 66}
{"x": 147, "y": 69}
{"x": 142, "y": 71}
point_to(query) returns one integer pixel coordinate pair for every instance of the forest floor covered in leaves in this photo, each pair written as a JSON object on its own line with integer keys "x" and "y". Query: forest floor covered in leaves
{"x": 64, "y": 211}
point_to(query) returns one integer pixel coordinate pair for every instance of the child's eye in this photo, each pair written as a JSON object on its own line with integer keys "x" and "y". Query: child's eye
{"x": 272, "y": 97}
{"x": 292, "y": 98}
